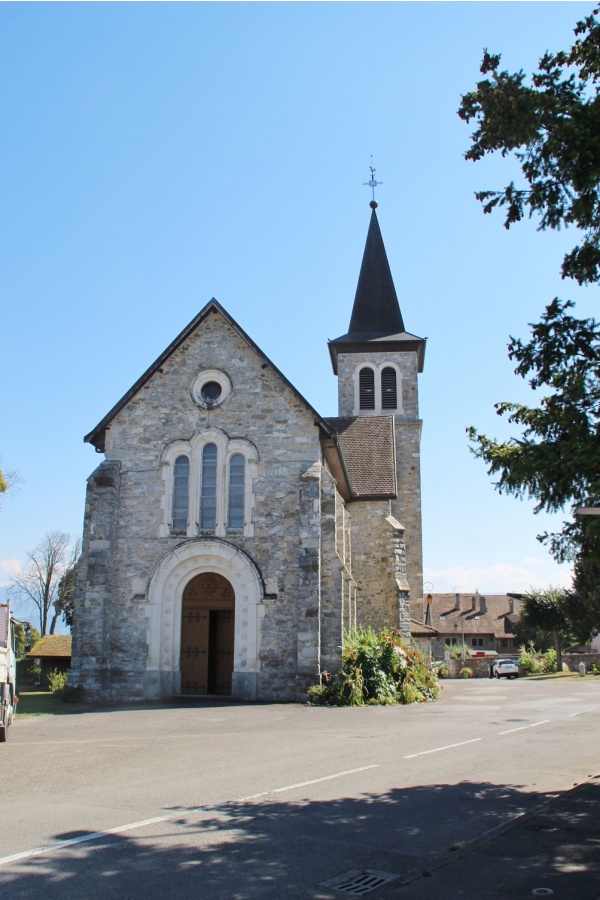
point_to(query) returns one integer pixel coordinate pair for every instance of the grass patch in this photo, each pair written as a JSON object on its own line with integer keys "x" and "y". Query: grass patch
{"x": 41, "y": 703}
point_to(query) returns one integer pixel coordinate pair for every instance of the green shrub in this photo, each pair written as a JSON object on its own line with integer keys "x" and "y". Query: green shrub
{"x": 377, "y": 669}
{"x": 57, "y": 681}
{"x": 594, "y": 669}
{"x": 440, "y": 669}
{"x": 28, "y": 673}
{"x": 532, "y": 661}
{"x": 466, "y": 672}
{"x": 458, "y": 651}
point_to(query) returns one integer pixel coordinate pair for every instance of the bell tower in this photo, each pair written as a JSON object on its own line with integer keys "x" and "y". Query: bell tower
{"x": 377, "y": 363}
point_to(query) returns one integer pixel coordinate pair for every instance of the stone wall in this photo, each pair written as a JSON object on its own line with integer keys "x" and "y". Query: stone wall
{"x": 379, "y": 567}
{"x": 407, "y": 507}
{"x": 295, "y": 516}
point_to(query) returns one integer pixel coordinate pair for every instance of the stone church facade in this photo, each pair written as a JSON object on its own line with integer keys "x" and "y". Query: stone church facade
{"x": 232, "y": 534}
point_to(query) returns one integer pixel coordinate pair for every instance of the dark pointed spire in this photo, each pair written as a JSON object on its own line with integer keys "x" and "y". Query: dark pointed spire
{"x": 376, "y": 309}
{"x": 376, "y": 322}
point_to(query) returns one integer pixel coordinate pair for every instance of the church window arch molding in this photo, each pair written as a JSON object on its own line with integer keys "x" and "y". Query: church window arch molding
{"x": 377, "y": 389}
{"x": 208, "y": 485}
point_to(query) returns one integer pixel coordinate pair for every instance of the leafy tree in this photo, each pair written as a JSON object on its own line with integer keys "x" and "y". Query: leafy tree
{"x": 550, "y": 124}
{"x": 9, "y": 481}
{"x": 545, "y": 613}
{"x": 556, "y": 458}
{"x": 66, "y": 591}
{"x": 583, "y": 602}
{"x": 25, "y": 638}
{"x": 40, "y": 581}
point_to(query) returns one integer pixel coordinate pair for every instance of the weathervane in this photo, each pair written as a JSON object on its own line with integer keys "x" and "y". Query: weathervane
{"x": 372, "y": 183}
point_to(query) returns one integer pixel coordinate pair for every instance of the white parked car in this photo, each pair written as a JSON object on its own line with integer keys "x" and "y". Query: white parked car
{"x": 505, "y": 667}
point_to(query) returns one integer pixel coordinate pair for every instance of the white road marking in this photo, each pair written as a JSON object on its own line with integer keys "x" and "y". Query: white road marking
{"x": 439, "y": 749}
{"x": 119, "y": 829}
{"x": 291, "y": 787}
{"x": 582, "y": 711}
{"x": 523, "y": 727}
{"x": 94, "y": 836}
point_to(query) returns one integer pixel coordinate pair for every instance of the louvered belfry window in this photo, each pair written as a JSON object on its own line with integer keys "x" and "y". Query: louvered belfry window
{"x": 208, "y": 488}
{"x": 389, "y": 390}
{"x": 181, "y": 481}
{"x": 367, "y": 388}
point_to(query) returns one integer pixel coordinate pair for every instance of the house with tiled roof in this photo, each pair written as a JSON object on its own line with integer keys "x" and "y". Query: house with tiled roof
{"x": 54, "y": 654}
{"x": 483, "y": 622}
{"x": 233, "y": 534}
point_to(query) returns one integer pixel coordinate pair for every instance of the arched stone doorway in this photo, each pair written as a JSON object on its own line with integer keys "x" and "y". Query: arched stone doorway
{"x": 168, "y": 581}
{"x": 207, "y": 635}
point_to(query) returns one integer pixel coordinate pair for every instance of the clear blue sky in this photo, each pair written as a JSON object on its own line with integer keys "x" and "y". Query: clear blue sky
{"x": 157, "y": 155}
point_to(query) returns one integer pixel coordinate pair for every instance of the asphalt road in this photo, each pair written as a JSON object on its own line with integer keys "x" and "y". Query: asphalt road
{"x": 222, "y": 800}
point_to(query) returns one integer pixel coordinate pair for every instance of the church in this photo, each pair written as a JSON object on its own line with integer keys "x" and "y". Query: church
{"x": 232, "y": 534}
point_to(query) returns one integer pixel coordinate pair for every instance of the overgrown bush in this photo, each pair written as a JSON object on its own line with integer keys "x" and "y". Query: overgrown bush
{"x": 466, "y": 672}
{"x": 440, "y": 668}
{"x": 458, "y": 651}
{"x": 377, "y": 669}
{"x": 534, "y": 662}
{"x": 57, "y": 681}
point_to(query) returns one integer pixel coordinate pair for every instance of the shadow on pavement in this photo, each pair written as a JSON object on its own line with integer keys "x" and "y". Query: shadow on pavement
{"x": 277, "y": 849}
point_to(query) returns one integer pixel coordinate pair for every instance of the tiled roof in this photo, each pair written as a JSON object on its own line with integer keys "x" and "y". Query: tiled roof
{"x": 367, "y": 445}
{"x": 418, "y": 629}
{"x": 53, "y": 645}
{"x": 475, "y": 613}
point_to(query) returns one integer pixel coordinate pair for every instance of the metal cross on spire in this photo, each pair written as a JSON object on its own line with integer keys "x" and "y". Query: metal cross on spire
{"x": 372, "y": 183}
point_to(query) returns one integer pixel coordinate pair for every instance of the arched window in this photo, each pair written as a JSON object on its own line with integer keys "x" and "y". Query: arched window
{"x": 236, "y": 500}
{"x": 208, "y": 485}
{"x": 366, "y": 388}
{"x": 181, "y": 481}
{"x": 208, "y": 488}
{"x": 389, "y": 391}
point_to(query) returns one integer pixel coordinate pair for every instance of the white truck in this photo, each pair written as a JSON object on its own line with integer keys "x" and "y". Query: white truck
{"x": 8, "y": 670}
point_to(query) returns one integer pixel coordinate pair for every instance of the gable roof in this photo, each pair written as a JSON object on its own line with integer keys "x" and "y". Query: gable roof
{"x": 475, "y": 613}
{"x": 52, "y": 646}
{"x": 368, "y": 450}
{"x": 419, "y": 629}
{"x": 376, "y": 317}
{"x": 97, "y": 435}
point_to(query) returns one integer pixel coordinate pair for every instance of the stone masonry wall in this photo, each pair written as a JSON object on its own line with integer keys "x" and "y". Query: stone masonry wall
{"x": 94, "y": 581}
{"x": 407, "y": 507}
{"x": 374, "y": 565}
{"x": 261, "y": 409}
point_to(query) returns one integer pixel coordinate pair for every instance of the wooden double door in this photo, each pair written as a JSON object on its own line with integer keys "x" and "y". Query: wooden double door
{"x": 207, "y": 635}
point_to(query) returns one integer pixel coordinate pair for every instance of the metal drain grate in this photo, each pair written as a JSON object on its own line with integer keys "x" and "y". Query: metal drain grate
{"x": 358, "y": 883}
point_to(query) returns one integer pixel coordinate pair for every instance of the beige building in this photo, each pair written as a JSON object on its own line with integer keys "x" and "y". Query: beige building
{"x": 232, "y": 534}
{"x": 482, "y": 622}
